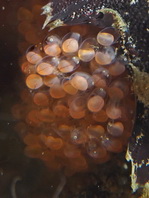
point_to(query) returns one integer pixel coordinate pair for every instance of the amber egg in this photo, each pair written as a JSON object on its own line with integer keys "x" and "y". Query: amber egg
{"x": 34, "y": 81}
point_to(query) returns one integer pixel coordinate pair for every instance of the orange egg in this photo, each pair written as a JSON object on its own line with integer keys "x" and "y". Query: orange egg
{"x": 86, "y": 55}
{"x": 115, "y": 92}
{"x": 106, "y": 56}
{"x": 33, "y": 57}
{"x": 61, "y": 110}
{"x": 34, "y": 81}
{"x": 113, "y": 109}
{"x": 116, "y": 68}
{"x": 95, "y": 131}
{"x": 105, "y": 38}
{"x": 51, "y": 80}
{"x": 95, "y": 103}
{"x": 52, "y": 49}
{"x": 68, "y": 88}
{"x": 45, "y": 69}
{"x": 41, "y": 99}
{"x": 70, "y": 45}
{"x": 112, "y": 144}
{"x": 46, "y": 115}
{"x": 79, "y": 82}
{"x": 115, "y": 129}
{"x": 66, "y": 66}
{"x": 77, "y": 114}
{"x": 54, "y": 143}
{"x": 99, "y": 81}
{"x": 56, "y": 91}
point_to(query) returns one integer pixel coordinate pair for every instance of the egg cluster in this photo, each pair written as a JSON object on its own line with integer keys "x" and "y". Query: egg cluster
{"x": 30, "y": 24}
{"x": 80, "y": 107}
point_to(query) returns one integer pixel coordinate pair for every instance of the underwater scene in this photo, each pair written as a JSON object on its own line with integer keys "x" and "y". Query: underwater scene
{"x": 74, "y": 99}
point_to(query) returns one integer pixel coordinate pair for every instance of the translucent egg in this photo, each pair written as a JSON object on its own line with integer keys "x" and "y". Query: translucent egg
{"x": 95, "y": 103}
{"x": 45, "y": 69}
{"x": 77, "y": 103}
{"x": 96, "y": 100}
{"x": 68, "y": 88}
{"x": 56, "y": 91}
{"x": 47, "y": 66}
{"x": 122, "y": 84}
{"x": 78, "y": 136}
{"x": 52, "y": 49}
{"x": 115, "y": 128}
{"x": 95, "y": 150}
{"x": 99, "y": 81}
{"x": 54, "y": 143}
{"x": 77, "y": 114}
{"x": 98, "y": 92}
{"x": 101, "y": 77}
{"x": 77, "y": 108}
{"x": 70, "y": 43}
{"x": 107, "y": 36}
{"x": 95, "y": 131}
{"x": 60, "y": 110}
{"x": 115, "y": 92}
{"x": 41, "y": 99}
{"x": 112, "y": 144}
{"x": 33, "y": 118}
{"x": 53, "y": 39}
{"x": 52, "y": 45}
{"x": 86, "y": 52}
{"x": 116, "y": 68}
{"x": 28, "y": 68}
{"x": 113, "y": 109}
{"x": 46, "y": 115}
{"x": 118, "y": 89}
{"x": 106, "y": 56}
{"x": 33, "y": 57}
{"x": 67, "y": 65}
{"x": 51, "y": 80}
{"x": 86, "y": 55}
{"x": 34, "y": 81}
{"x": 63, "y": 130}
{"x": 81, "y": 81}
